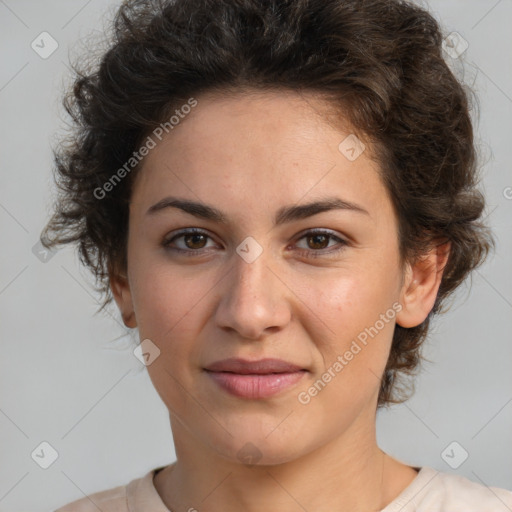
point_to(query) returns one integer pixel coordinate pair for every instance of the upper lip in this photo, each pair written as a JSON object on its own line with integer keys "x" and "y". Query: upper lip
{"x": 261, "y": 366}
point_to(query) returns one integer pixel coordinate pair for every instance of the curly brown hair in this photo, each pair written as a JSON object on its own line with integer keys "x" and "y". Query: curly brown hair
{"x": 380, "y": 64}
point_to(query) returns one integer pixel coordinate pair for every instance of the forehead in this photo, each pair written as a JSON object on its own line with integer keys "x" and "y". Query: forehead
{"x": 277, "y": 145}
{"x": 277, "y": 120}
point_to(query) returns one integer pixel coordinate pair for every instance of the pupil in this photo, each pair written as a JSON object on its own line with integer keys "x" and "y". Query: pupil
{"x": 318, "y": 240}
{"x": 198, "y": 241}
{"x": 195, "y": 241}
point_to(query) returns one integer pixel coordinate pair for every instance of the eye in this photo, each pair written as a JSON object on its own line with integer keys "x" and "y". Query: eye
{"x": 191, "y": 241}
{"x": 318, "y": 240}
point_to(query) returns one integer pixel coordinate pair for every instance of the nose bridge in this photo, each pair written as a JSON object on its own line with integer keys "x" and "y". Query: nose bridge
{"x": 252, "y": 300}
{"x": 249, "y": 278}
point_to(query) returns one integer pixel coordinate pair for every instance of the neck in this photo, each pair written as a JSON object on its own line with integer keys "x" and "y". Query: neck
{"x": 350, "y": 473}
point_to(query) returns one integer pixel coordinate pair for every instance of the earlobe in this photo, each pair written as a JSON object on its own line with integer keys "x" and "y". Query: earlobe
{"x": 421, "y": 285}
{"x": 122, "y": 295}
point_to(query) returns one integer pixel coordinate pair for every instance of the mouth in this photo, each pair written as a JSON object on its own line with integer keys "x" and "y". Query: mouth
{"x": 254, "y": 379}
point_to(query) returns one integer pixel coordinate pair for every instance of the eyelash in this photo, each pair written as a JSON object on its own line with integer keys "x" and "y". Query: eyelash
{"x": 311, "y": 253}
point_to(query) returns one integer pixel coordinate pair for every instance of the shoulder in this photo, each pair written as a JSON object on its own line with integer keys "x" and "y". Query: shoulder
{"x": 111, "y": 500}
{"x": 133, "y": 497}
{"x": 464, "y": 494}
{"x": 435, "y": 490}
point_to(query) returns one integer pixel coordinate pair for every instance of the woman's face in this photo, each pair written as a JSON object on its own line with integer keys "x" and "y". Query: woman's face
{"x": 264, "y": 277}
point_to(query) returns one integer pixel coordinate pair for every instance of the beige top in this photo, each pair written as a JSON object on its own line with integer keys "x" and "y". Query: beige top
{"x": 430, "y": 491}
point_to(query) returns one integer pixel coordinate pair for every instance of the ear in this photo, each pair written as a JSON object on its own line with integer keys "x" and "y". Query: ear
{"x": 421, "y": 284}
{"x": 120, "y": 287}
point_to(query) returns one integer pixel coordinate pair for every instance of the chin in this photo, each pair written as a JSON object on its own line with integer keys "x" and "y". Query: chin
{"x": 258, "y": 453}
{"x": 261, "y": 446}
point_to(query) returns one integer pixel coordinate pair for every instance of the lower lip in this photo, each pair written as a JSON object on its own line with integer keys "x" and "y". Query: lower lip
{"x": 255, "y": 386}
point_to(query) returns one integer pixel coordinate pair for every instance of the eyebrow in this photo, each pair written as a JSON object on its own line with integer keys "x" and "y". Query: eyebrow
{"x": 284, "y": 215}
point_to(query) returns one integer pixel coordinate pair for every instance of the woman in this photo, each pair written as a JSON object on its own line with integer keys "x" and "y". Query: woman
{"x": 279, "y": 196}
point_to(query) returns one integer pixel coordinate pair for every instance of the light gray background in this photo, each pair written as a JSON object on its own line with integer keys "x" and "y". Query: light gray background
{"x": 64, "y": 383}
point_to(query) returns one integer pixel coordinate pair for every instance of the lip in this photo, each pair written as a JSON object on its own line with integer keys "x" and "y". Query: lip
{"x": 254, "y": 379}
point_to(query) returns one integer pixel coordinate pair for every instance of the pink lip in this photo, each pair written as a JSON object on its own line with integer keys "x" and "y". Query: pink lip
{"x": 254, "y": 379}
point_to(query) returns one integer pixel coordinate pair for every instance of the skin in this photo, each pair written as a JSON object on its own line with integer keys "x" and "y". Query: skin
{"x": 249, "y": 155}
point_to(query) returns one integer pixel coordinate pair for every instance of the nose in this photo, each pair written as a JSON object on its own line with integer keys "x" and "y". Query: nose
{"x": 254, "y": 300}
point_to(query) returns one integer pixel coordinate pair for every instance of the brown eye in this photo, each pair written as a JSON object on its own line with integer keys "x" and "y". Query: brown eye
{"x": 318, "y": 241}
{"x": 195, "y": 241}
{"x": 190, "y": 241}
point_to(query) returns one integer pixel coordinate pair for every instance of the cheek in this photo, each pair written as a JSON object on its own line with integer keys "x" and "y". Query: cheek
{"x": 170, "y": 312}
{"x": 356, "y": 309}
{"x": 167, "y": 303}
{"x": 352, "y": 300}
